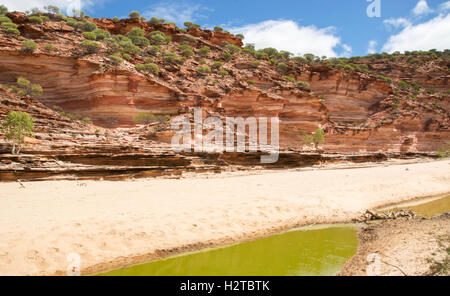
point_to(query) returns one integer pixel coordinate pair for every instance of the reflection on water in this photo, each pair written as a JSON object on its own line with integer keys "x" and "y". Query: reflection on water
{"x": 300, "y": 252}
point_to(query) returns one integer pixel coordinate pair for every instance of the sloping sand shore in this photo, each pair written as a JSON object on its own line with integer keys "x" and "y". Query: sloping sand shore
{"x": 403, "y": 247}
{"x": 111, "y": 224}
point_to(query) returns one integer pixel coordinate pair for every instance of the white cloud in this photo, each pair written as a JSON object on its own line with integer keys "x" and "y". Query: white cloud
{"x": 288, "y": 35}
{"x": 422, "y": 8}
{"x": 397, "y": 23}
{"x": 432, "y": 34}
{"x": 176, "y": 12}
{"x": 347, "y": 50}
{"x": 372, "y": 47}
{"x": 444, "y": 6}
{"x": 66, "y": 6}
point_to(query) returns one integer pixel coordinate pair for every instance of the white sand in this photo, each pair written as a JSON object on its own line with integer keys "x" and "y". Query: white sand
{"x": 115, "y": 223}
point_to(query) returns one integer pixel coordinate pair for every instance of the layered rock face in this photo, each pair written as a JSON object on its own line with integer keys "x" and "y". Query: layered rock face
{"x": 361, "y": 113}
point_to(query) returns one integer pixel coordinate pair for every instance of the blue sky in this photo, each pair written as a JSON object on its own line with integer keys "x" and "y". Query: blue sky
{"x": 323, "y": 27}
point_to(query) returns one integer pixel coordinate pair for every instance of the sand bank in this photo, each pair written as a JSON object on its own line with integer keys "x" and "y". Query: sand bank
{"x": 402, "y": 248}
{"x": 111, "y": 224}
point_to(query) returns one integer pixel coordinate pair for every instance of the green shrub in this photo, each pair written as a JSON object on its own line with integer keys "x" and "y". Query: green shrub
{"x": 444, "y": 151}
{"x": 203, "y": 69}
{"x": 101, "y": 34}
{"x": 3, "y": 10}
{"x": 135, "y": 32}
{"x": 227, "y": 56}
{"x": 240, "y": 36}
{"x": 233, "y": 48}
{"x": 153, "y": 50}
{"x": 217, "y": 65}
{"x": 299, "y": 60}
{"x": 260, "y": 55}
{"x": 7, "y": 26}
{"x": 150, "y": 67}
{"x": 86, "y": 120}
{"x": 158, "y": 37}
{"x": 302, "y": 84}
{"x": 147, "y": 118}
{"x": 204, "y": 51}
{"x": 116, "y": 60}
{"x": 35, "y": 19}
{"x": 317, "y": 138}
{"x": 256, "y": 64}
{"x": 289, "y": 78}
{"x": 403, "y": 85}
{"x": 189, "y": 39}
{"x": 90, "y": 46}
{"x": 271, "y": 52}
{"x": 191, "y": 25}
{"x": 128, "y": 47}
{"x": 116, "y": 18}
{"x": 36, "y": 90}
{"x": 73, "y": 23}
{"x": 45, "y": 18}
{"x": 218, "y": 29}
{"x": 222, "y": 72}
{"x": 49, "y": 47}
{"x": 348, "y": 67}
{"x": 5, "y": 19}
{"x": 126, "y": 56}
{"x": 135, "y": 15}
{"x": 87, "y": 26}
{"x": 28, "y": 88}
{"x": 172, "y": 58}
{"x": 90, "y": 35}
{"x": 12, "y": 31}
{"x": 282, "y": 67}
{"x": 16, "y": 126}
{"x": 187, "y": 53}
{"x": 28, "y": 46}
{"x": 285, "y": 54}
{"x": 251, "y": 82}
{"x": 157, "y": 21}
{"x": 387, "y": 79}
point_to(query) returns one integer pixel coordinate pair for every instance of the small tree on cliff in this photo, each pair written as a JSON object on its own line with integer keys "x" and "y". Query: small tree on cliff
{"x": 16, "y": 126}
{"x": 135, "y": 15}
{"x": 317, "y": 138}
{"x": 27, "y": 88}
{"x": 3, "y": 10}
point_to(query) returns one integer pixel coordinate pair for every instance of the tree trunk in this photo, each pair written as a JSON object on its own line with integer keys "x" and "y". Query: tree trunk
{"x": 13, "y": 149}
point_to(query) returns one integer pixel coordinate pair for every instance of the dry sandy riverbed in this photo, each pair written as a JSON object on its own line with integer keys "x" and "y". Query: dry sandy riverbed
{"x": 111, "y": 224}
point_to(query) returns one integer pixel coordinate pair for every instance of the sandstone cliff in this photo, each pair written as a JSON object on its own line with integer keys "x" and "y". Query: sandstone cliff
{"x": 364, "y": 110}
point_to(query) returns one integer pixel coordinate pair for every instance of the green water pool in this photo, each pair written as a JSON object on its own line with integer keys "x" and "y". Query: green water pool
{"x": 309, "y": 251}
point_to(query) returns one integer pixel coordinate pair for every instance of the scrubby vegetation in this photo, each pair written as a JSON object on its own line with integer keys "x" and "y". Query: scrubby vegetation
{"x": 16, "y": 126}
{"x": 150, "y": 67}
{"x": 25, "y": 87}
{"x": 149, "y": 48}
{"x": 29, "y": 46}
{"x": 317, "y": 138}
{"x": 148, "y": 118}
{"x": 90, "y": 46}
